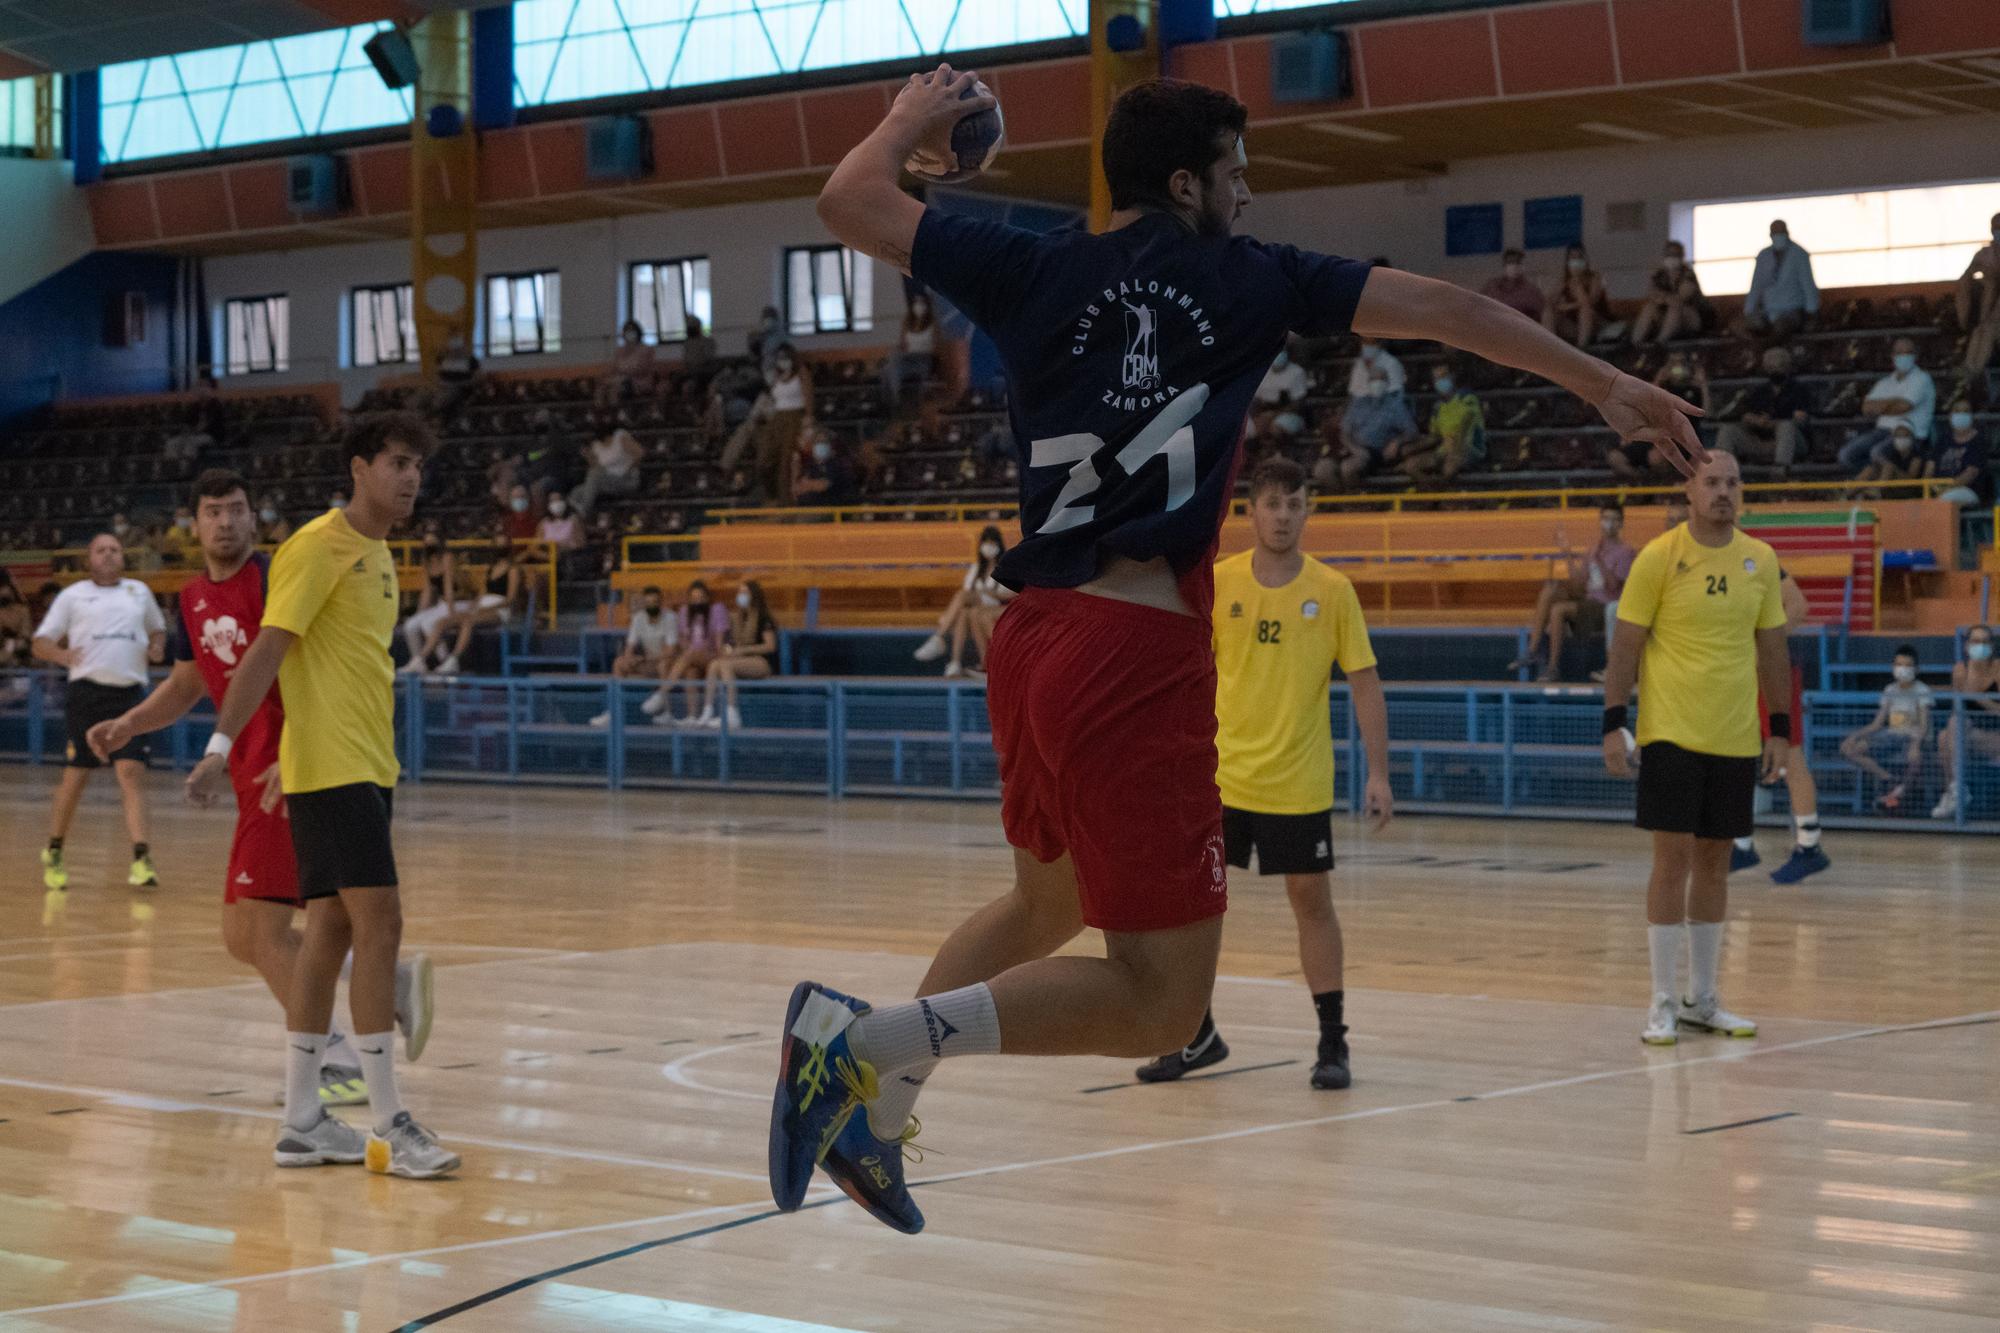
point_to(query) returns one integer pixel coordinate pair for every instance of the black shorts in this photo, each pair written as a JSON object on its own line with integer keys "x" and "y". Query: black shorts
{"x": 1285, "y": 844}
{"x": 90, "y": 703}
{"x": 1685, "y": 791}
{"x": 341, "y": 837}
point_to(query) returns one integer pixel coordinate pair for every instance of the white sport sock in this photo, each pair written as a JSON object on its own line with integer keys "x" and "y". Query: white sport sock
{"x": 339, "y": 1051}
{"x": 1704, "y": 953}
{"x": 378, "y": 1066}
{"x": 1808, "y": 829}
{"x": 890, "y": 1112}
{"x": 1746, "y": 844}
{"x": 1665, "y": 943}
{"x": 302, "y": 1057}
{"x": 958, "y": 1022}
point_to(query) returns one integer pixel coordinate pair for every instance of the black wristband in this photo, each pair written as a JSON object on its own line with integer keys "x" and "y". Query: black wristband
{"x": 1781, "y": 726}
{"x": 1614, "y": 719}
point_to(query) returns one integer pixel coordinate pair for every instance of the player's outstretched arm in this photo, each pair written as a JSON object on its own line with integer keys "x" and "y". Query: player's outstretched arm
{"x": 1621, "y": 673}
{"x": 247, "y": 688}
{"x": 863, "y": 203}
{"x": 166, "y": 705}
{"x": 1395, "y": 304}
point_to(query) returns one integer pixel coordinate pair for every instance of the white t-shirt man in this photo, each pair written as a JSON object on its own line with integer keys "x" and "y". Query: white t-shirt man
{"x": 655, "y": 635}
{"x": 110, "y": 629}
{"x": 1283, "y": 383}
{"x": 1919, "y": 391}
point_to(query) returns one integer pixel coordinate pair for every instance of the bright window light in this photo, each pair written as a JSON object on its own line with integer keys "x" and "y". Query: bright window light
{"x": 1865, "y": 239}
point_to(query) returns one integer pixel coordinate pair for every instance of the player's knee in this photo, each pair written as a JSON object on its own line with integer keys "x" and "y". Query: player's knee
{"x": 1312, "y": 898}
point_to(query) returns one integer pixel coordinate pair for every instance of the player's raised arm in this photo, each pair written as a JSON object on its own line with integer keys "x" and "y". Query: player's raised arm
{"x": 863, "y": 204}
{"x": 1395, "y": 304}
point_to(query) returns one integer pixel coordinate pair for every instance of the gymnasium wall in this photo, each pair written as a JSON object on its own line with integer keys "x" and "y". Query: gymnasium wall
{"x": 49, "y": 222}
{"x": 52, "y": 336}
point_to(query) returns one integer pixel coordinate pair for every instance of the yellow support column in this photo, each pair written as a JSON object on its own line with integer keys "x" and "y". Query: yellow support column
{"x": 444, "y": 187}
{"x": 1111, "y": 72}
{"x": 45, "y": 115}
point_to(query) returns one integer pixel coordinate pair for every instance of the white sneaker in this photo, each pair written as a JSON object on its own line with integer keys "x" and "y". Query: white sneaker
{"x": 1661, "y": 1022}
{"x": 448, "y": 667}
{"x": 1947, "y": 806}
{"x": 409, "y": 1150}
{"x": 1705, "y": 1015}
{"x": 931, "y": 649}
{"x": 414, "y": 667}
{"x": 953, "y": 669}
{"x": 665, "y": 720}
{"x": 707, "y": 722}
{"x": 655, "y": 701}
{"x": 601, "y": 721}
{"x": 415, "y": 1003}
{"x": 735, "y": 718}
{"x": 329, "y": 1142}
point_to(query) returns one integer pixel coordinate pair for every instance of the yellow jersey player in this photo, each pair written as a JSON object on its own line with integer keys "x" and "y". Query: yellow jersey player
{"x": 1282, "y": 622}
{"x": 1701, "y": 625}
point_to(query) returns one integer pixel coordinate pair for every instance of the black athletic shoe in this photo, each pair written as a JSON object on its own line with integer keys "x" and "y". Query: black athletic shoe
{"x": 1174, "y": 1064}
{"x": 1330, "y": 1068}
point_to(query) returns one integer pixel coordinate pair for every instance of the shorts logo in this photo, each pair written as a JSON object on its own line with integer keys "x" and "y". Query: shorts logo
{"x": 1321, "y": 849}
{"x": 243, "y": 877}
{"x": 1218, "y": 876}
{"x": 1310, "y": 610}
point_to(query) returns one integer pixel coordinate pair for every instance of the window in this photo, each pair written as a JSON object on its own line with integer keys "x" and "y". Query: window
{"x": 662, "y": 293}
{"x": 17, "y": 115}
{"x": 257, "y": 334}
{"x": 1924, "y": 234}
{"x": 828, "y": 289}
{"x": 385, "y": 330}
{"x": 523, "y": 313}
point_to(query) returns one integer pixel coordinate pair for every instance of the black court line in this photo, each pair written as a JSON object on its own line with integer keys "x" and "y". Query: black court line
{"x": 603, "y": 1050}
{"x": 1739, "y": 1124}
{"x": 467, "y": 1065}
{"x": 225, "y": 1092}
{"x": 677, "y": 1041}
{"x": 1191, "y": 1078}
{"x": 737, "y": 1036}
{"x": 70, "y": 1110}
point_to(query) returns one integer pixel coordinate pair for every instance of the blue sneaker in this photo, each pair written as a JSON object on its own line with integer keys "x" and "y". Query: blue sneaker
{"x": 820, "y": 1087}
{"x": 870, "y": 1172}
{"x": 1742, "y": 858}
{"x": 1803, "y": 861}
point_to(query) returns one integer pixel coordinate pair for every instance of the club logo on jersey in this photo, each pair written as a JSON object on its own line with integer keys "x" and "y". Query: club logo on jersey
{"x": 1142, "y": 352}
{"x": 1309, "y": 611}
{"x": 1140, "y": 304}
{"x": 1236, "y": 610}
{"x": 1749, "y": 566}
{"x": 223, "y": 636}
{"x": 1217, "y": 875}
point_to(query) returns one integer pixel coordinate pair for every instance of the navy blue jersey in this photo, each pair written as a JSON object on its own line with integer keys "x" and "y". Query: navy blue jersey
{"x": 1131, "y": 360}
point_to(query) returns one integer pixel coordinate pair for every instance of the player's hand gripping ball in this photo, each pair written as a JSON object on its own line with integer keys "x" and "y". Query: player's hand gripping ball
{"x": 956, "y": 147}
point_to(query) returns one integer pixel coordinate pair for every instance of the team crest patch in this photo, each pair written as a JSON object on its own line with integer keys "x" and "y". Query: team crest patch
{"x": 1236, "y": 610}
{"x": 1749, "y": 565}
{"x": 1310, "y": 610}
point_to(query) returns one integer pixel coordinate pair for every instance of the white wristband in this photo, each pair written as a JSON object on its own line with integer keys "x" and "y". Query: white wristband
{"x": 218, "y": 744}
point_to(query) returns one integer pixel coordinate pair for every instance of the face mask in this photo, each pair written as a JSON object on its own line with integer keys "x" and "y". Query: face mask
{"x": 1905, "y": 363}
{"x": 1610, "y": 526}
{"x": 1578, "y": 265}
{"x": 1371, "y": 354}
{"x": 1445, "y": 385}
{"x": 1961, "y": 421}
{"x": 1283, "y": 359}
{"x": 990, "y": 550}
{"x": 743, "y": 599}
{"x": 822, "y": 451}
{"x": 519, "y": 504}
{"x": 1905, "y": 674}
{"x": 1905, "y": 443}
{"x": 268, "y": 514}
{"x": 1781, "y": 243}
{"x": 1978, "y": 652}
{"x": 1672, "y": 263}
{"x": 784, "y": 366}
{"x": 121, "y": 527}
{"x": 557, "y": 508}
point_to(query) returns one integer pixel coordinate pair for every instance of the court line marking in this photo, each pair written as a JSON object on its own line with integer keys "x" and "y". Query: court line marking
{"x": 1008, "y": 1168}
{"x": 1742, "y": 1124}
{"x": 675, "y": 1072}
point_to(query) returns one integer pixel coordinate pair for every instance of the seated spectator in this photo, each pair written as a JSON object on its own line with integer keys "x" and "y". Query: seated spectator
{"x": 1902, "y": 459}
{"x": 915, "y": 354}
{"x": 177, "y": 544}
{"x": 559, "y": 527}
{"x": 974, "y": 609}
{"x": 1899, "y": 730}
{"x": 827, "y": 477}
{"x": 704, "y": 636}
{"x": 495, "y": 604}
{"x": 1783, "y": 297}
{"x": 458, "y": 376}
{"x": 1377, "y": 414}
{"x": 733, "y": 396}
{"x": 202, "y": 429}
{"x": 1285, "y": 384}
{"x": 1582, "y": 599}
{"x": 1977, "y": 677}
{"x": 272, "y": 526}
{"x": 614, "y": 457}
{"x": 17, "y": 625}
{"x": 697, "y": 350}
{"x": 1674, "y": 306}
{"x": 651, "y": 645}
{"x": 751, "y": 654}
{"x": 1775, "y": 417}
{"x": 1455, "y": 438}
{"x": 520, "y": 520}
{"x": 1961, "y": 458}
{"x": 1514, "y": 287}
{"x": 1977, "y": 299}
{"x": 438, "y": 600}
{"x": 1904, "y": 397}
{"x": 632, "y": 369}
{"x": 1579, "y": 307}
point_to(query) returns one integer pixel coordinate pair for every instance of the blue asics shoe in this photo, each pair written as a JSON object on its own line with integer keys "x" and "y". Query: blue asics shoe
{"x": 820, "y": 1087}
{"x": 1742, "y": 858}
{"x": 1803, "y": 861}
{"x": 870, "y": 1172}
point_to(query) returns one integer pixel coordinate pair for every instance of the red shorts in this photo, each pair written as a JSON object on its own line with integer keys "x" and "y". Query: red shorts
{"x": 1103, "y": 715}
{"x": 261, "y": 863}
{"x": 1798, "y": 706}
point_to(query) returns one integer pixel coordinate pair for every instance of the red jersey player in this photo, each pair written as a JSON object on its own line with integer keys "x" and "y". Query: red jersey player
{"x": 221, "y": 609}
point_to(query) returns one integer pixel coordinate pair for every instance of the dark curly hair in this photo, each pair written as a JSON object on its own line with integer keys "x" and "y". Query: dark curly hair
{"x": 1162, "y": 126}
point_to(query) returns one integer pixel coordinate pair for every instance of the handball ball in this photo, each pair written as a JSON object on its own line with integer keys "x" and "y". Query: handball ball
{"x": 975, "y": 141}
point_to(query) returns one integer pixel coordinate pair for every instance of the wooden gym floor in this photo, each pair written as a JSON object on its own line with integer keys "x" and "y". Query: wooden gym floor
{"x": 612, "y": 970}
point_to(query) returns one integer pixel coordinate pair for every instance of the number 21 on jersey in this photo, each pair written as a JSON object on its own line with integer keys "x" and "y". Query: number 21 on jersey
{"x": 1170, "y": 433}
